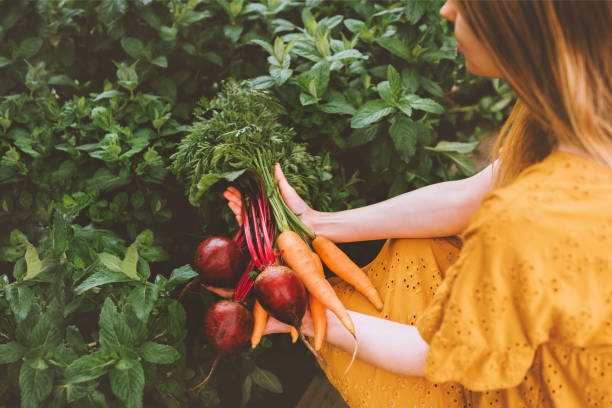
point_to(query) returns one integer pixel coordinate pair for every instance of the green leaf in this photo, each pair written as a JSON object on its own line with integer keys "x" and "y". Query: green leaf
{"x": 399, "y": 186}
{"x": 108, "y": 94}
{"x": 415, "y": 9}
{"x": 371, "y": 112}
{"x": 280, "y": 75}
{"x": 145, "y": 238}
{"x": 306, "y": 99}
{"x": 341, "y": 107}
{"x": 137, "y": 199}
{"x": 62, "y": 80}
{"x": 384, "y": 91}
{"x": 263, "y": 44}
{"x": 432, "y": 87}
{"x": 75, "y": 392}
{"x": 355, "y": 26}
{"x": 262, "y": 82}
{"x": 154, "y": 254}
{"x": 102, "y": 275}
{"x": 232, "y": 32}
{"x": 204, "y": 184}
{"x": 20, "y": 299}
{"x": 247, "y": 386}
{"x": 30, "y": 46}
{"x": 427, "y": 105}
{"x": 33, "y": 262}
{"x": 396, "y": 47}
{"x": 395, "y": 81}
{"x": 176, "y": 318}
{"x": 142, "y": 298}
{"x": 194, "y": 16}
{"x": 213, "y": 57}
{"x": 346, "y": 54}
{"x": 5, "y": 61}
{"x": 17, "y": 238}
{"x": 75, "y": 339}
{"x": 112, "y": 262}
{"x": 88, "y": 367}
{"x": 115, "y": 334}
{"x": 320, "y": 74}
{"x": 45, "y": 334}
{"x": 404, "y": 136}
{"x": 129, "y": 262}
{"x": 380, "y": 156}
{"x": 457, "y": 147}
{"x": 11, "y": 253}
{"x": 132, "y": 46}
{"x": 411, "y": 79}
{"x": 166, "y": 87}
{"x": 266, "y": 380}
{"x": 59, "y": 234}
{"x": 180, "y": 276}
{"x": 405, "y": 106}
{"x": 362, "y": 136}
{"x": 128, "y": 384}
{"x": 35, "y": 385}
{"x": 11, "y": 352}
{"x": 158, "y": 353}
{"x": 168, "y": 34}
{"x": 160, "y": 61}
{"x": 109, "y": 10}
{"x": 463, "y": 162}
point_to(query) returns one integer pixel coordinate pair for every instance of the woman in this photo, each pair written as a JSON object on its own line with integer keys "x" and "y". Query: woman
{"x": 521, "y": 314}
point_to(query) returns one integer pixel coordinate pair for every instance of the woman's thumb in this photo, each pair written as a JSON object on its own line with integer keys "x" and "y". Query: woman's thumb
{"x": 290, "y": 196}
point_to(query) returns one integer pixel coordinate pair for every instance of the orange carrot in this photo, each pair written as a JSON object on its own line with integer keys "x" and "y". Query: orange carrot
{"x": 297, "y": 255}
{"x": 261, "y": 318}
{"x": 340, "y": 264}
{"x": 317, "y": 311}
{"x": 294, "y": 334}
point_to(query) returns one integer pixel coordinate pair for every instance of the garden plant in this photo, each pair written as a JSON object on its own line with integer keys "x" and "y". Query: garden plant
{"x": 102, "y": 207}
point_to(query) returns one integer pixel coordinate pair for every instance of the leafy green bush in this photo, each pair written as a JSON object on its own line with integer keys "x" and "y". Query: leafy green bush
{"x": 81, "y": 318}
{"x": 368, "y": 84}
{"x": 95, "y": 98}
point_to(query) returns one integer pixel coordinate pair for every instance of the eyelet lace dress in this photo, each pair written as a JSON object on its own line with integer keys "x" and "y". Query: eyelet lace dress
{"x": 520, "y": 315}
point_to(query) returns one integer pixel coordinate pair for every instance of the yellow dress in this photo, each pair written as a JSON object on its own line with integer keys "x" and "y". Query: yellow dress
{"x": 519, "y": 316}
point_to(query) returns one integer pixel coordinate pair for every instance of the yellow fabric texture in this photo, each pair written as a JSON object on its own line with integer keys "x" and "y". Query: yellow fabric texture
{"x": 523, "y": 318}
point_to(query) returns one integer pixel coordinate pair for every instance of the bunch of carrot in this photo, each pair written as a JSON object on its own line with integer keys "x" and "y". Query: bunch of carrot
{"x": 294, "y": 249}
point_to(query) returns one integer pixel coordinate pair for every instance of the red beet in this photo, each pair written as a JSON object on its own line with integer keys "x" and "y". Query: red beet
{"x": 227, "y": 327}
{"x": 282, "y": 294}
{"x": 219, "y": 262}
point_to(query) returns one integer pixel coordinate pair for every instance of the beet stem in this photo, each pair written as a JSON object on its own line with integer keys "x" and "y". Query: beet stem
{"x": 190, "y": 284}
{"x": 257, "y": 235}
{"x": 212, "y": 369}
{"x": 312, "y": 350}
{"x": 269, "y": 251}
{"x": 248, "y": 237}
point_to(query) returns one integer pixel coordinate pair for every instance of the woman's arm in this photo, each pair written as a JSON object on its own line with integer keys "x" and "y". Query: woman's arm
{"x": 383, "y": 343}
{"x": 436, "y": 210}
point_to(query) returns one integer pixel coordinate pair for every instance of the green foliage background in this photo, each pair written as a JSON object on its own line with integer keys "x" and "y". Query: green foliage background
{"x": 97, "y": 235}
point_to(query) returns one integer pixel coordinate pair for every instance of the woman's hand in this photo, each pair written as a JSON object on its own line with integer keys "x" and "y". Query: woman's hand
{"x": 234, "y": 202}
{"x": 275, "y": 326}
{"x": 295, "y": 203}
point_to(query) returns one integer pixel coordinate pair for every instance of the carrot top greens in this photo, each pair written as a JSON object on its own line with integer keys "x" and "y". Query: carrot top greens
{"x": 238, "y": 134}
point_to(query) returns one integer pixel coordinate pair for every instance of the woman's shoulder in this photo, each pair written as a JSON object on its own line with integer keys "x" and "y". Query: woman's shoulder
{"x": 561, "y": 183}
{"x": 563, "y": 195}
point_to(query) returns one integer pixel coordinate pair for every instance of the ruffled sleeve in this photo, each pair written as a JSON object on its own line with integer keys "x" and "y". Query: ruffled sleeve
{"x": 493, "y": 308}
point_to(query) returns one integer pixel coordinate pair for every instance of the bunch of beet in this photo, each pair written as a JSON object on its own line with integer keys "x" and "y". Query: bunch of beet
{"x": 228, "y": 325}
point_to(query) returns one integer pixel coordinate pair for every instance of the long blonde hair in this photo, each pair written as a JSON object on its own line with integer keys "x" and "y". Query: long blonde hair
{"x": 557, "y": 56}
